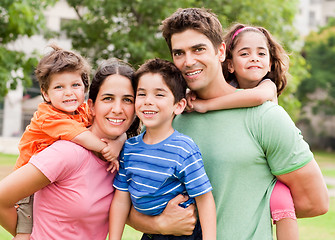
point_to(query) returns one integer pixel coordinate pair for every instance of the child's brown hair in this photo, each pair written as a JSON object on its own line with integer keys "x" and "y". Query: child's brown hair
{"x": 278, "y": 57}
{"x": 58, "y": 61}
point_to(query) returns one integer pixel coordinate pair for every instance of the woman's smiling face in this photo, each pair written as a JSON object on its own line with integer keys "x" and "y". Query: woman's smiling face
{"x": 113, "y": 110}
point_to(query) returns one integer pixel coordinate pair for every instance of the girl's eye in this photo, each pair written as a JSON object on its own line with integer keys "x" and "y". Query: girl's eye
{"x": 140, "y": 94}
{"x": 76, "y": 84}
{"x": 58, "y": 87}
{"x": 160, "y": 95}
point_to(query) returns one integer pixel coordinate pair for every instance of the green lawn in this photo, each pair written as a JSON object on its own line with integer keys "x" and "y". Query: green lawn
{"x": 317, "y": 228}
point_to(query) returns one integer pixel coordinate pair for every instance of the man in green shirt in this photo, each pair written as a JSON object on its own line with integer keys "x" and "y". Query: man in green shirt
{"x": 243, "y": 149}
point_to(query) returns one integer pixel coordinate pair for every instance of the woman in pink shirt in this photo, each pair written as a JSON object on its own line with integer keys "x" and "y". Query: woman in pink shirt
{"x": 73, "y": 190}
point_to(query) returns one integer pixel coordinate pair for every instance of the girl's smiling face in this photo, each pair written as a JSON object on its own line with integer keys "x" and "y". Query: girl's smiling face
{"x": 113, "y": 110}
{"x": 250, "y": 59}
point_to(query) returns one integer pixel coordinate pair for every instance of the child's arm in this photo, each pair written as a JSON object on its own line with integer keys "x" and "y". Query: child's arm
{"x": 110, "y": 149}
{"x": 118, "y": 214}
{"x": 265, "y": 91}
{"x": 207, "y": 215}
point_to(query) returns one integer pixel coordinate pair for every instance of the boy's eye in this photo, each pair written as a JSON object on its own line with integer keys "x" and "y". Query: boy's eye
{"x": 76, "y": 84}
{"x": 58, "y": 87}
{"x": 160, "y": 95}
{"x": 139, "y": 94}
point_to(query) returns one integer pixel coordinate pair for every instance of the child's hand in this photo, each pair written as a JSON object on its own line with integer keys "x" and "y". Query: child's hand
{"x": 22, "y": 236}
{"x": 112, "y": 151}
{"x": 113, "y": 166}
{"x": 199, "y": 105}
{"x": 190, "y": 96}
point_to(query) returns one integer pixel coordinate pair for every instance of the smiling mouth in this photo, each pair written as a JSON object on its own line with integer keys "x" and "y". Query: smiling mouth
{"x": 149, "y": 112}
{"x": 115, "y": 120}
{"x": 70, "y": 101}
{"x": 189, "y": 74}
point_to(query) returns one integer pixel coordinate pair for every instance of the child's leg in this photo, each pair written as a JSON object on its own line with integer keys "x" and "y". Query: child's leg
{"x": 25, "y": 215}
{"x": 283, "y": 213}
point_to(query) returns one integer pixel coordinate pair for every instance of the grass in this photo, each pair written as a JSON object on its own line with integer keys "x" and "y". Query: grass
{"x": 316, "y": 228}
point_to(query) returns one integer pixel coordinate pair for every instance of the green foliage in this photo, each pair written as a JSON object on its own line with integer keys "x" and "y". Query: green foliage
{"x": 319, "y": 51}
{"x": 129, "y": 29}
{"x": 18, "y": 18}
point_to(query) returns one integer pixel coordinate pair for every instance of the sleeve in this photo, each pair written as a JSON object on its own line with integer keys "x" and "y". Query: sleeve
{"x": 282, "y": 142}
{"x": 60, "y": 159}
{"x": 193, "y": 175}
{"x": 120, "y": 180}
{"x": 62, "y": 128}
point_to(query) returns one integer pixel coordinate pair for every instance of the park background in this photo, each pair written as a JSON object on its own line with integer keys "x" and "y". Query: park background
{"x": 129, "y": 30}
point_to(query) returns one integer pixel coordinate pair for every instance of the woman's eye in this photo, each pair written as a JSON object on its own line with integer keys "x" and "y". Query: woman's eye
{"x": 128, "y": 100}
{"x": 107, "y": 99}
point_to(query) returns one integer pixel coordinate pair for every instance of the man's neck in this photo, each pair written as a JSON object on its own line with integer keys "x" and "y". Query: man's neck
{"x": 216, "y": 89}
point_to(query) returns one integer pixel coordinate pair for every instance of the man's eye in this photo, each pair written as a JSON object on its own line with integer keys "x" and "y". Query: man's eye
{"x": 200, "y": 49}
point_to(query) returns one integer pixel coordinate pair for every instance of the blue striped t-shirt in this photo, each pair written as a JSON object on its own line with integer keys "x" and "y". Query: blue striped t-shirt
{"x": 154, "y": 174}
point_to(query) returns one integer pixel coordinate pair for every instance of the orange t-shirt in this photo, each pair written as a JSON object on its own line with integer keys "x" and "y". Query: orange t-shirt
{"x": 49, "y": 125}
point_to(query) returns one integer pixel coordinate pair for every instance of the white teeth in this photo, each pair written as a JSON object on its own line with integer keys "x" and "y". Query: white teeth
{"x": 193, "y": 73}
{"x": 149, "y": 112}
{"x": 115, "y": 120}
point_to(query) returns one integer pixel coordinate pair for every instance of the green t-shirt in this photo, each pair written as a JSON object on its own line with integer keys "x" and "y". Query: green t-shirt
{"x": 242, "y": 150}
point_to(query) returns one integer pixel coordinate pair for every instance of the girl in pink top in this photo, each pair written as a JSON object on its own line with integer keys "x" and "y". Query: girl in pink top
{"x": 73, "y": 188}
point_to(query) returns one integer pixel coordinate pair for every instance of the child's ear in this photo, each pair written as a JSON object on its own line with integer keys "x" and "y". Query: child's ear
{"x": 45, "y": 96}
{"x": 230, "y": 66}
{"x": 180, "y": 106}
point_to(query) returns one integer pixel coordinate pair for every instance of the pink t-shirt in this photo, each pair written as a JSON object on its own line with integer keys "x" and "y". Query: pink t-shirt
{"x": 76, "y": 203}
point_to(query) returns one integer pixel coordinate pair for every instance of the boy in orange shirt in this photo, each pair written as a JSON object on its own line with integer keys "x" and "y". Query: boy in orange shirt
{"x": 64, "y": 78}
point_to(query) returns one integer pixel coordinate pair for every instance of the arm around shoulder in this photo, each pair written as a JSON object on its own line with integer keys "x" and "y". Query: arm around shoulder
{"x": 308, "y": 189}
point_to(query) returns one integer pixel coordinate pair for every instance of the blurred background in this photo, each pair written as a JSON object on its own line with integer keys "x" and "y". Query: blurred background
{"x": 129, "y": 30}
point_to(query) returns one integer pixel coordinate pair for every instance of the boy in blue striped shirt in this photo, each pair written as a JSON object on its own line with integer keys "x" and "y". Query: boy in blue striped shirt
{"x": 161, "y": 163}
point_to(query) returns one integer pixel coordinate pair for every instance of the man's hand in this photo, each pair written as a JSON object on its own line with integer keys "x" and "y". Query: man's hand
{"x": 176, "y": 220}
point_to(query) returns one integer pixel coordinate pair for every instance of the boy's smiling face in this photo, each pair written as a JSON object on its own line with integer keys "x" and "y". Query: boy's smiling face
{"x": 66, "y": 91}
{"x": 155, "y": 104}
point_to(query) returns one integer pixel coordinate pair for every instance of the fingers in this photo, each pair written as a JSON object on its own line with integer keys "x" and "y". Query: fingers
{"x": 178, "y": 199}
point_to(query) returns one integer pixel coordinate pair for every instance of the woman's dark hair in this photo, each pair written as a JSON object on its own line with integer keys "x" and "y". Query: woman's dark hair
{"x": 111, "y": 67}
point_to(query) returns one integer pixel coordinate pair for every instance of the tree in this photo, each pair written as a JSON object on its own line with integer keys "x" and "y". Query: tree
{"x": 319, "y": 51}
{"x": 17, "y": 19}
{"x": 129, "y": 29}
